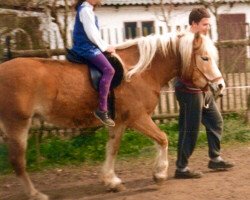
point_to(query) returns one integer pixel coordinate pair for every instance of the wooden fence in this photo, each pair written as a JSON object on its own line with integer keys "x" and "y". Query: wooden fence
{"x": 235, "y": 97}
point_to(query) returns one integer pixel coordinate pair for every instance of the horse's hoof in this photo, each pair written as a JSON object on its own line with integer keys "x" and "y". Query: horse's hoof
{"x": 118, "y": 188}
{"x": 39, "y": 196}
{"x": 159, "y": 180}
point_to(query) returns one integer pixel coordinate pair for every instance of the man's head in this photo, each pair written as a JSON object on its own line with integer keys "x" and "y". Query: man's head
{"x": 199, "y": 20}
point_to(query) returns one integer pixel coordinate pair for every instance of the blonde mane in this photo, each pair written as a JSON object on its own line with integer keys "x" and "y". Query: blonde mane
{"x": 148, "y": 46}
{"x": 186, "y": 49}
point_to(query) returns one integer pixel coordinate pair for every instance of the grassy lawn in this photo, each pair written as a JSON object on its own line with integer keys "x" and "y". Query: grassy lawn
{"x": 91, "y": 148}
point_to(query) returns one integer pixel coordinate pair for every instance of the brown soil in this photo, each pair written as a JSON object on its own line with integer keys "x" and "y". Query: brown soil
{"x": 80, "y": 183}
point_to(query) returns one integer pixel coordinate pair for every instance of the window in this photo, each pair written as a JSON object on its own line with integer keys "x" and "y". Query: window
{"x": 130, "y": 30}
{"x": 136, "y": 29}
{"x": 147, "y": 28}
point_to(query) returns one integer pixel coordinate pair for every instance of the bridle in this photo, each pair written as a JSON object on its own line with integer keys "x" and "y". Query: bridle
{"x": 195, "y": 67}
{"x": 209, "y": 81}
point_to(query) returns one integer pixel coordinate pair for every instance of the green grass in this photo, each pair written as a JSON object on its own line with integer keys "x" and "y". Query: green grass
{"x": 235, "y": 129}
{"x": 91, "y": 147}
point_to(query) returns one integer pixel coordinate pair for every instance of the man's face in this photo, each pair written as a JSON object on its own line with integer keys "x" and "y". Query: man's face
{"x": 202, "y": 27}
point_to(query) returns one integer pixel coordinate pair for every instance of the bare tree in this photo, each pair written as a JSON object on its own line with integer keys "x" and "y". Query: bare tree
{"x": 58, "y": 11}
{"x": 62, "y": 25}
{"x": 166, "y": 8}
{"x": 213, "y": 7}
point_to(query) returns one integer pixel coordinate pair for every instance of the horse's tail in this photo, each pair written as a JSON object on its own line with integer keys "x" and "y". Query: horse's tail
{"x": 111, "y": 103}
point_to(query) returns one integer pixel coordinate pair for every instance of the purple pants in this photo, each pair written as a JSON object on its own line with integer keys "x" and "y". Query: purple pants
{"x": 101, "y": 62}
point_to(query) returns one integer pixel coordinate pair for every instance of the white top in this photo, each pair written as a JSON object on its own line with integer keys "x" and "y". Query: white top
{"x": 87, "y": 17}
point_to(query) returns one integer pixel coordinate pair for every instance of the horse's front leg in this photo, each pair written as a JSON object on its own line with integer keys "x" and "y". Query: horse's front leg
{"x": 109, "y": 177}
{"x": 147, "y": 126}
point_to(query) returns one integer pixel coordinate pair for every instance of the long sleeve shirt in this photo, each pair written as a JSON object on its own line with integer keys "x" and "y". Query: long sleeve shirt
{"x": 87, "y": 41}
{"x": 88, "y": 19}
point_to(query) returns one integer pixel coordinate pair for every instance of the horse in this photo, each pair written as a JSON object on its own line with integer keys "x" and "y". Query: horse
{"x": 60, "y": 92}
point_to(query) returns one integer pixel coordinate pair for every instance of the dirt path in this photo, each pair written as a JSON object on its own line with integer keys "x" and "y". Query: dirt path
{"x": 82, "y": 183}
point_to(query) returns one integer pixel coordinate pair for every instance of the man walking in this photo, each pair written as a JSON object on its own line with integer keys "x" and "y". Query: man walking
{"x": 193, "y": 111}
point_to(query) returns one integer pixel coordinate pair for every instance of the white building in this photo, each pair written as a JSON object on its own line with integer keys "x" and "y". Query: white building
{"x": 121, "y": 19}
{"x": 129, "y": 15}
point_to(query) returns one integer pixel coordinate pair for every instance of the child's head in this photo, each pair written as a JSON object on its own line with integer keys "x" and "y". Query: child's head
{"x": 92, "y": 2}
{"x": 78, "y": 3}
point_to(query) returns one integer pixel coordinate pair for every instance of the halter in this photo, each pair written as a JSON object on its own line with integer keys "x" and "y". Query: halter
{"x": 195, "y": 67}
{"x": 209, "y": 82}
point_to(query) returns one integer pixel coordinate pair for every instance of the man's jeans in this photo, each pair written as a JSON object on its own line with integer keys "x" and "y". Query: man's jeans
{"x": 192, "y": 113}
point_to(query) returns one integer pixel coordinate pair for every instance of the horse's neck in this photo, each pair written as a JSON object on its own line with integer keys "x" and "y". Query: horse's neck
{"x": 129, "y": 56}
{"x": 162, "y": 68}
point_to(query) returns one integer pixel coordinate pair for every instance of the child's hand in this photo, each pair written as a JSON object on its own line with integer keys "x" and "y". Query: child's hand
{"x": 111, "y": 49}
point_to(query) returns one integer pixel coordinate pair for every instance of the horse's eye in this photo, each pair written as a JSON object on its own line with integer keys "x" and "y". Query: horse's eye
{"x": 205, "y": 58}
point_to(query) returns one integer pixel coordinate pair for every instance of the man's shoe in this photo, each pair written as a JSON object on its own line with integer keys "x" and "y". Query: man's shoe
{"x": 187, "y": 174}
{"x": 104, "y": 118}
{"x": 221, "y": 165}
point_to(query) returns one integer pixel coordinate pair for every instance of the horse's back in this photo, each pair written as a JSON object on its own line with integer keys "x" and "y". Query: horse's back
{"x": 35, "y": 72}
{"x": 58, "y": 90}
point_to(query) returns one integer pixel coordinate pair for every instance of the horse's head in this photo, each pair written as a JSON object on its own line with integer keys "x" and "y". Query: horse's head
{"x": 199, "y": 63}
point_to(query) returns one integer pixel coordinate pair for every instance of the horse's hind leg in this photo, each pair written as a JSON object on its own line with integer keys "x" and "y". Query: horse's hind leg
{"x": 147, "y": 126}
{"x": 109, "y": 177}
{"x": 17, "y": 135}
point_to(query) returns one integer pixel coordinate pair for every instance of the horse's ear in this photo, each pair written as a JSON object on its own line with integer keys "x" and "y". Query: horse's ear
{"x": 197, "y": 41}
{"x": 197, "y": 36}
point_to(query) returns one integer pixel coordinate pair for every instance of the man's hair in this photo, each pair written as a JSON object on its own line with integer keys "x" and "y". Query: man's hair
{"x": 197, "y": 14}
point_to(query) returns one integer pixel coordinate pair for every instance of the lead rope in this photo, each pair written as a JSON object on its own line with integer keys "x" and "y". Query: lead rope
{"x": 206, "y": 105}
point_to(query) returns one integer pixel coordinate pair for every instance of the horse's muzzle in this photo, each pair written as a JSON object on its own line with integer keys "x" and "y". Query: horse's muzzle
{"x": 216, "y": 89}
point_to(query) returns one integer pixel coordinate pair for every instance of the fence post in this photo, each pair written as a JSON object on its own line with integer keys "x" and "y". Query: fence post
{"x": 248, "y": 110}
{"x": 8, "y": 55}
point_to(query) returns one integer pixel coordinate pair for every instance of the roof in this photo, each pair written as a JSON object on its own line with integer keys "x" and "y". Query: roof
{"x": 157, "y": 2}
{"x": 37, "y": 5}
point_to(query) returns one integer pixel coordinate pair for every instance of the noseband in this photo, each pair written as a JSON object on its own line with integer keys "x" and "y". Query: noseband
{"x": 209, "y": 81}
{"x": 195, "y": 67}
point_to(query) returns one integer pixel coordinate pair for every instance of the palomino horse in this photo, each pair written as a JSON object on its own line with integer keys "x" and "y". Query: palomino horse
{"x": 61, "y": 93}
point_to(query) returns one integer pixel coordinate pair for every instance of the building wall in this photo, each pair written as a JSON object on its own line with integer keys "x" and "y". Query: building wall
{"x": 24, "y": 27}
{"x": 112, "y": 18}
